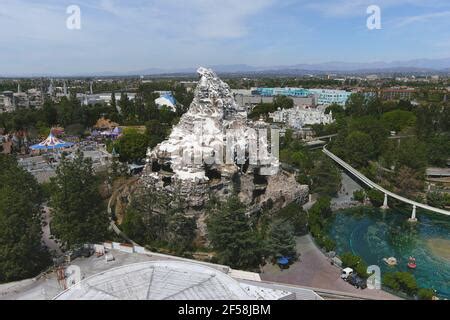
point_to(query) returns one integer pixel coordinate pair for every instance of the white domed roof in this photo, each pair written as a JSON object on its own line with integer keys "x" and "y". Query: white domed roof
{"x": 161, "y": 280}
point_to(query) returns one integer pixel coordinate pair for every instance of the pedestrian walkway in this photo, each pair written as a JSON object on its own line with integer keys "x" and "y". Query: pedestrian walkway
{"x": 315, "y": 271}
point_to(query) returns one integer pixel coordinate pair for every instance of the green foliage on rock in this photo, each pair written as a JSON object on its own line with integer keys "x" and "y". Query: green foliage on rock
{"x": 155, "y": 220}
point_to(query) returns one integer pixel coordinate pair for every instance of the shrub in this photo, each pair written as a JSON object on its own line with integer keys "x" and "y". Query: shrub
{"x": 329, "y": 244}
{"x": 356, "y": 263}
{"x": 401, "y": 281}
{"x": 319, "y": 214}
{"x": 359, "y": 195}
{"x": 376, "y": 197}
{"x": 425, "y": 294}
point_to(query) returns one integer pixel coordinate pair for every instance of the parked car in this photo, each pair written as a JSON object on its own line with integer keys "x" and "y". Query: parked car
{"x": 357, "y": 281}
{"x": 346, "y": 273}
{"x": 84, "y": 252}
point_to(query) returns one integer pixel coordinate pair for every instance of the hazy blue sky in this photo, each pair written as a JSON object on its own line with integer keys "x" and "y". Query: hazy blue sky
{"x": 126, "y": 35}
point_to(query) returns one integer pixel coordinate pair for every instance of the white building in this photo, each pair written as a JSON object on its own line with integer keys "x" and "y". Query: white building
{"x": 166, "y": 100}
{"x": 300, "y": 117}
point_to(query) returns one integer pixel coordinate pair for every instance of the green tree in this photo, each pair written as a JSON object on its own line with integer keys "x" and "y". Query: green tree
{"x": 127, "y": 109}
{"x": 408, "y": 181}
{"x": 132, "y": 146}
{"x": 336, "y": 109}
{"x": 326, "y": 178}
{"x": 282, "y": 239}
{"x": 359, "y": 195}
{"x": 376, "y": 197}
{"x": 359, "y": 148}
{"x": 78, "y": 213}
{"x": 156, "y": 132}
{"x": 232, "y": 237}
{"x": 22, "y": 253}
{"x": 412, "y": 153}
{"x": 438, "y": 150}
{"x": 438, "y": 199}
{"x": 319, "y": 217}
{"x": 355, "y": 105}
{"x": 398, "y": 120}
{"x": 50, "y": 113}
{"x": 373, "y": 127}
{"x": 374, "y": 106}
{"x": 283, "y": 102}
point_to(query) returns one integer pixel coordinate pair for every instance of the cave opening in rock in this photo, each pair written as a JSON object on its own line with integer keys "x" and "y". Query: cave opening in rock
{"x": 167, "y": 181}
{"x": 167, "y": 168}
{"x": 213, "y": 174}
{"x": 259, "y": 180}
{"x": 156, "y": 167}
{"x": 257, "y": 193}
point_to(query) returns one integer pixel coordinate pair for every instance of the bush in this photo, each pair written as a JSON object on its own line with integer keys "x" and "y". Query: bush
{"x": 356, "y": 263}
{"x": 401, "y": 281}
{"x": 319, "y": 215}
{"x": 438, "y": 199}
{"x": 425, "y": 294}
{"x": 359, "y": 195}
{"x": 329, "y": 244}
{"x": 376, "y": 197}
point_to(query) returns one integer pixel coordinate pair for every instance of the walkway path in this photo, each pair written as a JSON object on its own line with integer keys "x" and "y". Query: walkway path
{"x": 47, "y": 237}
{"x": 314, "y": 270}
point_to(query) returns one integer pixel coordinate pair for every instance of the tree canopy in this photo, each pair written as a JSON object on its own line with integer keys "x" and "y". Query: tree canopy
{"x": 236, "y": 243}
{"x": 22, "y": 253}
{"x": 78, "y": 212}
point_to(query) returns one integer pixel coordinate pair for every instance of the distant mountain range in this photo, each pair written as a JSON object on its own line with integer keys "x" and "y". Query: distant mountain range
{"x": 426, "y": 66}
{"x": 418, "y": 65}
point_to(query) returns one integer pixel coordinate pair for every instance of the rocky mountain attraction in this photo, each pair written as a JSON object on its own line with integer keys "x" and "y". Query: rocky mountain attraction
{"x": 212, "y": 151}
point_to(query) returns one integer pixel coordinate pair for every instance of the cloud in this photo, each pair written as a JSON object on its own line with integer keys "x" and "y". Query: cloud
{"x": 347, "y": 8}
{"x": 208, "y": 19}
{"x": 423, "y": 18}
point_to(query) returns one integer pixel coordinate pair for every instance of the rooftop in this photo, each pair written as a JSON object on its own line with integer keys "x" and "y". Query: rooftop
{"x": 144, "y": 275}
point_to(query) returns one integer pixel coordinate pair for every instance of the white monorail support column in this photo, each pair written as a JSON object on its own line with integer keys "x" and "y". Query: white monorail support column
{"x": 413, "y": 216}
{"x": 385, "y": 202}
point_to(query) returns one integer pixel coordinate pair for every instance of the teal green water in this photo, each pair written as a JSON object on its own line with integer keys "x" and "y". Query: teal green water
{"x": 374, "y": 234}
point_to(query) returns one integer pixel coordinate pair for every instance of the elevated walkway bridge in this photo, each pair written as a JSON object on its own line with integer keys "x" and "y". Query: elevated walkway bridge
{"x": 387, "y": 193}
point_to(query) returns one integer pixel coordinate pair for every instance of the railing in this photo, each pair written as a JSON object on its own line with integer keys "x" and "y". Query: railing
{"x": 373, "y": 185}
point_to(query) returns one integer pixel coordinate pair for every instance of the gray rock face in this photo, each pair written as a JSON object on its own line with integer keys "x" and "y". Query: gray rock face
{"x": 195, "y": 161}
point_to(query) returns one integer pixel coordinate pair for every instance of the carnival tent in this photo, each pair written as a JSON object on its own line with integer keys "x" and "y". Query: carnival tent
{"x": 51, "y": 143}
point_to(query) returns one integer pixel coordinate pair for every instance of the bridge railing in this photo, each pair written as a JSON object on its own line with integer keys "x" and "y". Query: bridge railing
{"x": 373, "y": 185}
